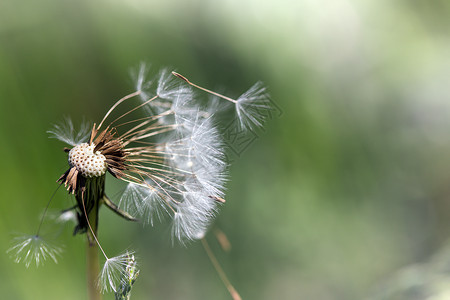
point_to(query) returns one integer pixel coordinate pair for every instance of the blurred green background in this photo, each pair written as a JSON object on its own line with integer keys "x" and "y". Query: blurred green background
{"x": 339, "y": 198}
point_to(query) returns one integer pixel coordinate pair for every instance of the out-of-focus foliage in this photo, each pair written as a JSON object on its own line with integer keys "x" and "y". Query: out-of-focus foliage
{"x": 341, "y": 194}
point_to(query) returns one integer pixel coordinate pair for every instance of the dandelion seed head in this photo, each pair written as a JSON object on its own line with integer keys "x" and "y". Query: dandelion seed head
{"x": 116, "y": 270}
{"x": 172, "y": 159}
{"x": 31, "y": 249}
{"x": 88, "y": 163}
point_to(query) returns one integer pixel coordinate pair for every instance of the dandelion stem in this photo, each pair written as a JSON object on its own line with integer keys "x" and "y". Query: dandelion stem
{"x": 234, "y": 294}
{"x": 203, "y": 89}
{"x": 92, "y": 261}
{"x": 92, "y": 195}
{"x": 93, "y": 269}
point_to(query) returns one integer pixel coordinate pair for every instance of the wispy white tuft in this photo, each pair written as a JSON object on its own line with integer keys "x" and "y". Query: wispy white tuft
{"x": 141, "y": 83}
{"x": 67, "y": 216}
{"x": 144, "y": 202}
{"x": 31, "y": 249}
{"x": 187, "y": 184}
{"x": 198, "y": 204}
{"x": 253, "y": 106}
{"x": 214, "y": 105}
{"x": 115, "y": 271}
{"x": 139, "y": 76}
{"x": 169, "y": 87}
{"x": 200, "y": 145}
{"x": 211, "y": 181}
{"x": 131, "y": 272}
{"x": 205, "y": 144}
{"x": 65, "y": 132}
{"x": 192, "y": 217}
{"x": 172, "y": 95}
{"x": 62, "y": 217}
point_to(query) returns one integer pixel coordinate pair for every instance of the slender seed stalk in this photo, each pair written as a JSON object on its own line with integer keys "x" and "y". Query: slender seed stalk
{"x": 202, "y": 88}
{"x": 233, "y": 293}
{"x": 90, "y": 201}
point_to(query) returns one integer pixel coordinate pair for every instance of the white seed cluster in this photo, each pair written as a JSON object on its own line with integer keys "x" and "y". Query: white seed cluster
{"x": 88, "y": 163}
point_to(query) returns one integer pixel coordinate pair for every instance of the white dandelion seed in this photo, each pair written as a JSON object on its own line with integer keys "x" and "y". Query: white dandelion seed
{"x": 205, "y": 145}
{"x": 66, "y": 216}
{"x": 193, "y": 216}
{"x": 126, "y": 284}
{"x": 171, "y": 94}
{"x": 190, "y": 222}
{"x": 144, "y": 202}
{"x": 211, "y": 182}
{"x": 115, "y": 271}
{"x": 140, "y": 78}
{"x": 65, "y": 132}
{"x": 252, "y": 106}
{"x": 199, "y": 146}
{"x": 33, "y": 249}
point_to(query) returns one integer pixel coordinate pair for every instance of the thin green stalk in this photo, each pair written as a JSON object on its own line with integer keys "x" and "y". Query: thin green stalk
{"x": 93, "y": 269}
{"x": 90, "y": 200}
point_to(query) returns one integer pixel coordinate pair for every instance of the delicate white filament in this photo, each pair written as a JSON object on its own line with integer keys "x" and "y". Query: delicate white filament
{"x": 65, "y": 132}
{"x": 253, "y": 106}
{"x": 144, "y": 202}
{"x": 33, "y": 248}
{"x": 115, "y": 271}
